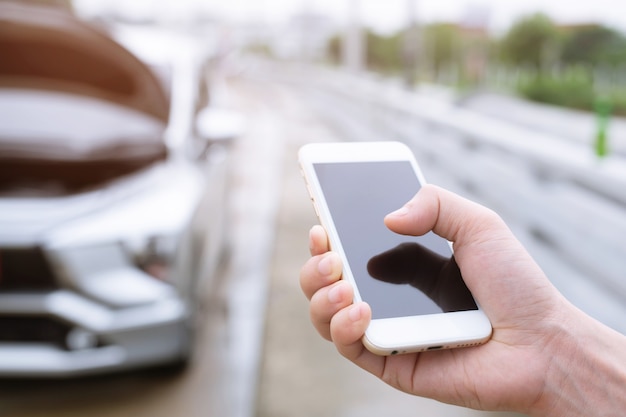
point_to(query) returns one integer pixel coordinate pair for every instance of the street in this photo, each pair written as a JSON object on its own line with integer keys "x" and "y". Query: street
{"x": 258, "y": 354}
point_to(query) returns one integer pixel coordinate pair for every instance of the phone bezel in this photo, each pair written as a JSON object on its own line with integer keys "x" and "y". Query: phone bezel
{"x": 399, "y": 334}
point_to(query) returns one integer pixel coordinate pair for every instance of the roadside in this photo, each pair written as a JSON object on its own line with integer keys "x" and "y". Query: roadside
{"x": 573, "y": 125}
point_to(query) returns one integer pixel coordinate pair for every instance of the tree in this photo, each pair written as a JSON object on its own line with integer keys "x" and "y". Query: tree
{"x": 532, "y": 41}
{"x": 594, "y": 45}
{"x": 384, "y": 53}
{"x": 442, "y": 42}
{"x": 334, "y": 49}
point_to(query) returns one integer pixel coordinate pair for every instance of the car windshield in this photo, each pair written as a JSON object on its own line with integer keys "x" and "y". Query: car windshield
{"x": 60, "y": 142}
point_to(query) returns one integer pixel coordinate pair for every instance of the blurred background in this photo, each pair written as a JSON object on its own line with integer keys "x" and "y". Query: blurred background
{"x": 153, "y": 221}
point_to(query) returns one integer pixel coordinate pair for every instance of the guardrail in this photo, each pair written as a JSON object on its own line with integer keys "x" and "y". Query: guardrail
{"x": 550, "y": 154}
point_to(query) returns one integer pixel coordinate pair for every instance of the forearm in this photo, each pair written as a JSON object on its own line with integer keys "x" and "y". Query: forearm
{"x": 587, "y": 374}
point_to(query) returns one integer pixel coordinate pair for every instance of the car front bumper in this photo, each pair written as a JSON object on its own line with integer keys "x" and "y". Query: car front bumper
{"x": 77, "y": 336}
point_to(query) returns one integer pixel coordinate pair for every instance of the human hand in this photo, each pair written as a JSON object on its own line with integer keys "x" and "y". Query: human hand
{"x": 507, "y": 373}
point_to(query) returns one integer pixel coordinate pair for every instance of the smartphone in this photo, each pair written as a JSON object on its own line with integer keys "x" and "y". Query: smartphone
{"x": 413, "y": 285}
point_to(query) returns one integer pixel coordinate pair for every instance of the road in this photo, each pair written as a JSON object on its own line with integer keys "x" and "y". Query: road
{"x": 258, "y": 354}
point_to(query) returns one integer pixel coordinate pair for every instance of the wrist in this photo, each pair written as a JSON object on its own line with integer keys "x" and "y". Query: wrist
{"x": 587, "y": 371}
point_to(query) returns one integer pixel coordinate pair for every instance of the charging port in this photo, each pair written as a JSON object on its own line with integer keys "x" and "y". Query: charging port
{"x": 434, "y": 347}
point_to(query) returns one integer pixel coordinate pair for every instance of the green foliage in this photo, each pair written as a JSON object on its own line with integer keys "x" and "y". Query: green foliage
{"x": 567, "y": 66}
{"x": 571, "y": 89}
{"x": 574, "y": 88}
{"x": 384, "y": 53}
{"x": 562, "y": 65}
{"x": 595, "y": 45}
{"x": 335, "y": 44}
{"x": 442, "y": 44}
{"x": 531, "y": 41}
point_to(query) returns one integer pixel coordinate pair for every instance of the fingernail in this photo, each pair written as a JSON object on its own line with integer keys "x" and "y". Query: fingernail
{"x": 354, "y": 313}
{"x": 325, "y": 267}
{"x": 403, "y": 211}
{"x": 334, "y": 295}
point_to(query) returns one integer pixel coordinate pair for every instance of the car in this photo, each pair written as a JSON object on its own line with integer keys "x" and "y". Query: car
{"x": 114, "y": 178}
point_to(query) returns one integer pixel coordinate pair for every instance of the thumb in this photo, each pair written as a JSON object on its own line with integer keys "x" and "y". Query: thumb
{"x": 445, "y": 213}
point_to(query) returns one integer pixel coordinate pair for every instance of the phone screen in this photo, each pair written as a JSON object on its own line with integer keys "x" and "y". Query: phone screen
{"x": 396, "y": 275}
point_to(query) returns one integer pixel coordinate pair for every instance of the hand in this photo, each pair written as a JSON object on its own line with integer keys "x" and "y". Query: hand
{"x": 511, "y": 371}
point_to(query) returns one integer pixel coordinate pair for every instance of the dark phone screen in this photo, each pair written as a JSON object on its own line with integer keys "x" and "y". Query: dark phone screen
{"x": 396, "y": 275}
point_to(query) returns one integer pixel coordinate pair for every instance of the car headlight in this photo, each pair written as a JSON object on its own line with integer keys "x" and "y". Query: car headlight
{"x": 106, "y": 273}
{"x": 155, "y": 255}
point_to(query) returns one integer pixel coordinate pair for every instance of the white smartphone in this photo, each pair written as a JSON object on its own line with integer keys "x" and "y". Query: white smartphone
{"x": 413, "y": 285}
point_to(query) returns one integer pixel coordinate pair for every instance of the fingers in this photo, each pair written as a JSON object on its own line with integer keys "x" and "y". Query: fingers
{"x": 338, "y": 320}
{"x": 318, "y": 240}
{"x": 331, "y": 297}
{"x": 320, "y": 279}
{"x": 347, "y": 329}
{"x": 327, "y": 302}
{"x": 320, "y": 271}
{"x": 323, "y": 268}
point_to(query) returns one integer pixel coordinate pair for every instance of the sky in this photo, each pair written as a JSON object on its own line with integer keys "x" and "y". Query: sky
{"x": 384, "y": 16}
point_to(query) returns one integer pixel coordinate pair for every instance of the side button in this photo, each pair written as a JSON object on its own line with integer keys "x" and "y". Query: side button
{"x": 317, "y": 213}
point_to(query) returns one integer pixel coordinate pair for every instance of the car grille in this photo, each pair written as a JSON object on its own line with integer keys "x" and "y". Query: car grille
{"x": 25, "y": 269}
{"x": 34, "y": 330}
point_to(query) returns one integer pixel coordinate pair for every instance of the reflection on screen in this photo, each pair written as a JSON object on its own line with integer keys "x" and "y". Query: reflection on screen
{"x": 397, "y": 275}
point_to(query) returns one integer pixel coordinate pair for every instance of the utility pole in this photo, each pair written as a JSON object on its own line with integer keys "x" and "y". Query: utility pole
{"x": 411, "y": 45}
{"x": 353, "y": 42}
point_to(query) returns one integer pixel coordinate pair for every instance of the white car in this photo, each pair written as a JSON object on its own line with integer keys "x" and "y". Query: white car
{"x": 113, "y": 200}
